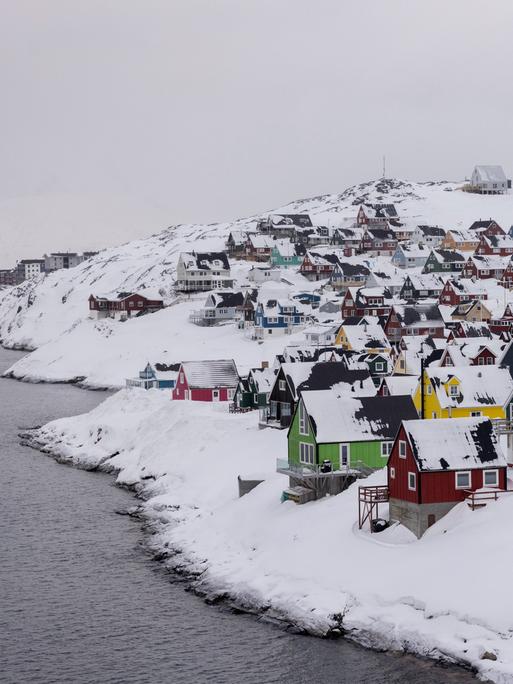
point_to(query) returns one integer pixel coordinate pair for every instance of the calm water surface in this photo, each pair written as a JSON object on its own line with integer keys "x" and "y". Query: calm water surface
{"x": 80, "y": 602}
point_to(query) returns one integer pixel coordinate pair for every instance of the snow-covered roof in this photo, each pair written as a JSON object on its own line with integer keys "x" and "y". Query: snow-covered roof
{"x": 490, "y": 174}
{"x": 205, "y": 261}
{"x": 455, "y": 444}
{"x": 361, "y": 337}
{"x": 401, "y": 384}
{"x": 463, "y": 350}
{"x": 337, "y": 418}
{"x": 328, "y": 375}
{"x": 215, "y": 373}
{"x": 478, "y": 386}
{"x": 264, "y": 378}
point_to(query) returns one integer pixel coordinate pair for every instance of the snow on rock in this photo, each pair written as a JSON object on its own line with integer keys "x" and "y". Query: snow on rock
{"x": 445, "y": 595}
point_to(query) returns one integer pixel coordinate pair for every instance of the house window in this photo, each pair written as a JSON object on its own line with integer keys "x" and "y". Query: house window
{"x": 402, "y": 448}
{"x": 386, "y": 448}
{"x": 281, "y": 385}
{"x": 231, "y": 394}
{"x": 475, "y": 414}
{"x": 181, "y": 377}
{"x": 434, "y": 415}
{"x": 453, "y": 390}
{"x": 490, "y": 478}
{"x": 392, "y": 473}
{"x": 303, "y": 419}
{"x": 306, "y": 453}
{"x": 379, "y": 366}
{"x": 463, "y": 479}
{"x": 428, "y": 389}
{"x": 412, "y": 481}
{"x": 344, "y": 454}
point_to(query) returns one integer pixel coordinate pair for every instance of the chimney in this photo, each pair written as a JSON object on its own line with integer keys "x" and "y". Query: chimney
{"x": 265, "y": 364}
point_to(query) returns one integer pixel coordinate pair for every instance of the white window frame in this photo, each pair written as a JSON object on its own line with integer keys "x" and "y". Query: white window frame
{"x": 380, "y": 365}
{"x": 488, "y": 472}
{"x": 282, "y": 386}
{"x": 303, "y": 420}
{"x": 414, "y": 487}
{"x": 392, "y": 473}
{"x": 453, "y": 390}
{"x": 306, "y": 453}
{"x": 386, "y": 449}
{"x": 401, "y": 444}
{"x": 463, "y": 472}
{"x": 347, "y": 457}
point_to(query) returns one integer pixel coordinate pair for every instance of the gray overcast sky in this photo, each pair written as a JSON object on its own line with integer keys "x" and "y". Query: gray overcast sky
{"x": 215, "y": 109}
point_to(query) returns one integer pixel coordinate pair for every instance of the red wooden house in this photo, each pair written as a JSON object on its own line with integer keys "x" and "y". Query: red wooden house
{"x": 504, "y": 323}
{"x": 122, "y": 305}
{"x": 483, "y": 267}
{"x": 206, "y": 380}
{"x": 461, "y": 291}
{"x": 375, "y": 214}
{"x": 435, "y": 464}
{"x": 366, "y": 301}
{"x": 487, "y": 227}
{"x": 318, "y": 266}
{"x": 378, "y": 242}
{"x": 501, "y": 245}
{"x": 507, "y": 276}
{"x": 418, "y": 319}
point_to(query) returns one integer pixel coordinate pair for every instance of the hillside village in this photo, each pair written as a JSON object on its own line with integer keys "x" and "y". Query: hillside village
{"x": 330, "y": 383}
{"x": 378, "y": 324}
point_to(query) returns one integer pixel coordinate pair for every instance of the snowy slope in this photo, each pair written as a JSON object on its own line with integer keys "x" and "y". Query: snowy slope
{"x": 442, "y": 596}
{"x": 50, "y": 313}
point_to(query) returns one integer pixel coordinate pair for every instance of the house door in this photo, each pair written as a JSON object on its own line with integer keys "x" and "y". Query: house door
{"x": 215, "y": 395}
{"x": 344, "y": 455}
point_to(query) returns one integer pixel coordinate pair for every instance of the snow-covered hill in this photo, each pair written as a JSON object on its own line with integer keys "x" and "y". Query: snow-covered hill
{"x": 50, "y": 313}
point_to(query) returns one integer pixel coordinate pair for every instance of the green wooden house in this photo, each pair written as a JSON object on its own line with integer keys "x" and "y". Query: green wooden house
{"x": 444, "y": 261}
{"x": 350, "y": 432}
{"x": 253, "y": 391}
{"x": 286, "y": 254}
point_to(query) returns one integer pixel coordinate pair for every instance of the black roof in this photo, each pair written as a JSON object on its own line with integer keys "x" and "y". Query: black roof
{"x": 413, "y": 314}
{"x": 204, "y": 260}
{"x": 326, "y": 374}
{"x": 303, "y": 220}
{"x": 381, "y": 233}
{"x": 163, "y": 367}
{"x": 229, "y": 299}
{"x": 432, "y": 230}
{"x": 387, "y": 415}
{"x": 353, "y": 269}
{"x": 449, "y": 255}
{"x": 477, "y": 225}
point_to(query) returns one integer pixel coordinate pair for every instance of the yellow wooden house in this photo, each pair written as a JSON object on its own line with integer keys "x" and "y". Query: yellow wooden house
{"x": 465, "y": 392}
{"x": 369, "y": 338}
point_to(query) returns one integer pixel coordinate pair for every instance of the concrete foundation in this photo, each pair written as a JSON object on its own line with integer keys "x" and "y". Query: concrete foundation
{"x": 418, "y": 517}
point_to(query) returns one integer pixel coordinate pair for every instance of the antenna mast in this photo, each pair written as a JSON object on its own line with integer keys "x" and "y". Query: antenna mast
{"x": 384, "y": 166}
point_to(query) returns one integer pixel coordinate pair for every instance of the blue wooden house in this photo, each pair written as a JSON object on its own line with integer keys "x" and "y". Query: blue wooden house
{"x": 161, "y": 377}
{"x": 278, "y": 316}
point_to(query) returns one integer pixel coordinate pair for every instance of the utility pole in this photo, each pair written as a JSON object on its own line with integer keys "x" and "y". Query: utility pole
{"x": 422, "y": 407}
{"x": 384, "y": 166}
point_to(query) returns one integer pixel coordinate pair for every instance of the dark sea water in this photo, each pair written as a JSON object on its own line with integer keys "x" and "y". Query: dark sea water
{"x": 80, "y": 601}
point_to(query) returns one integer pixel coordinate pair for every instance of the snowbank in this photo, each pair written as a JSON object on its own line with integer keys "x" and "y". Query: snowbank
{"x": 443, "y": 596}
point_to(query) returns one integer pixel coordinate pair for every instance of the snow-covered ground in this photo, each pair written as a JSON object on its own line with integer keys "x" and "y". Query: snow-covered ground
{"x": 445, "y": 595}
{"x": 50, "y": 312}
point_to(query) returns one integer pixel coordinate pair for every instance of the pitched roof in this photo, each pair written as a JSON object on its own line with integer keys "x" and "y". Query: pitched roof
{"x": 455, "y": 444}
{"x": 337, "y": 418}
{"x": 207, "y": 374}
{"x": 205, "y": 261}
{"x": 490, "y": 173}
{"x": 479, "y": 386}
{"x": 303, "y": 377}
